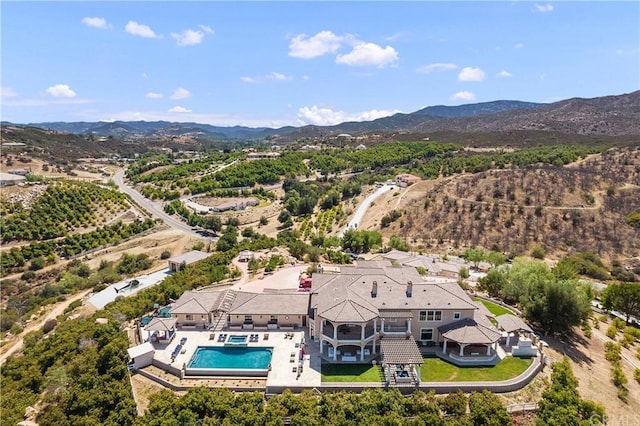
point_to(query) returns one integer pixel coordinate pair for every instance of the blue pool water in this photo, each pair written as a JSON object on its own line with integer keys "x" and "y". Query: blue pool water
{"x": 237, "y": 339}
{"x": 228, "y": 357}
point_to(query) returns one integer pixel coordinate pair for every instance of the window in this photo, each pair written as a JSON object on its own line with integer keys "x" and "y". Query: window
{"x": 189, "y": 317}
{"x": 248, "y": 318}
{"x": 430, "y": 315}
{"x": 426, "y": 334}
{"x": 456, "y": 315}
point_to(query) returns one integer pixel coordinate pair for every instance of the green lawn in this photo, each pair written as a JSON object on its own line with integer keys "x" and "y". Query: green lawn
{"x": 494, "y": 308}
{"x": 437, "y": 370}
{"x": 351, "y": 373}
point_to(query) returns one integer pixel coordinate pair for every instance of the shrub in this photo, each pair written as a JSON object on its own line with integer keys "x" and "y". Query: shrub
{"x": 49, "y": 325}
{"x": 612, "y": 352}
{"x": 636, "y": 374}
{"x": 612, "y": 331}
{"x": 464, "y": 273}
{"x": 165, "y": 254}
{"x": 538, "y": 252}
{"x": 617, "y": 377}
{"x": 627, "y": 340}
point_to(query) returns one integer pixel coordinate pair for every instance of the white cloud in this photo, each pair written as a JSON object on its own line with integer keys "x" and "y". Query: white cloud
{"x": 326, "y": 116}
{"x": 438, "y": 67}
{"x": 153, "y": 95}
{"x": 7, "y": 92}
{"x": 302, "y": 46}
{"x": 191, "y": 37}
{"x": 100, "y": 23}
{"x": 271, "y": 76}
{"x": 369, "y": 54}
{"x": 518, "y": 45}
{"x": 463, "y": 96}
{"x": 543, "y": 8}
{"x": 397, "y": 36}
{"x": 180, "y": 93}
{"x": 61, "y": 91}
{"x": 471, "y": 74}
{"x": 504, "y": 73}
{"x": 140, "y": 30}
{"x": 207, "y": 29}
{"x": 278, "y": 76}
{"x": 179, "y": 109}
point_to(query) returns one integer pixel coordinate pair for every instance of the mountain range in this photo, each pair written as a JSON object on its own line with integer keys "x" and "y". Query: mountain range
{"x": 608, "y": 115}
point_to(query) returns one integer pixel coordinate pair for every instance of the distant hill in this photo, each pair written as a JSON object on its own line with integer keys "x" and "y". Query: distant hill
{"x": 472, "y": 110}
{"x": 607, "y": 116}
{"x": 156, "y": 129}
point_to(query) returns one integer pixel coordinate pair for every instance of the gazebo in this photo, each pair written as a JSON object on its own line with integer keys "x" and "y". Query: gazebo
{"x": 469, "y": 332}
{"x": 397, "y": 354}
{"x": 163, "y": 329}
{"x": 511, "y": 324}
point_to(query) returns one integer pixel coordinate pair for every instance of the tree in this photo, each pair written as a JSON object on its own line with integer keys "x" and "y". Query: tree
{"x": 494, "y": 282}
{"x": 557, "y": 306}
{"x": 486, "y": 409}
{"x": 561, "y": 403}
{"x": 495, "y": 258}
{"x": 624, "y": 298}
{"x": 474, "y": 255}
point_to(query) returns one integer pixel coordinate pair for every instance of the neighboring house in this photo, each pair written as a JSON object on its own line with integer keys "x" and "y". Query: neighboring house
{"x": 262, "y": 155}
{"x": 7, "y": 179}
{"x": 186, "y": 259}
{"x": 432, "y": 264}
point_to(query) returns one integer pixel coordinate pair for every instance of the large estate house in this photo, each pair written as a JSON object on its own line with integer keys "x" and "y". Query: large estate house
{"x": 352, "y": 312}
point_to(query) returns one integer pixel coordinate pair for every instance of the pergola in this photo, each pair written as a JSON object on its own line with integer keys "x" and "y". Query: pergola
{"x": 511, "y": 323}
{"x": 400, "y": 351}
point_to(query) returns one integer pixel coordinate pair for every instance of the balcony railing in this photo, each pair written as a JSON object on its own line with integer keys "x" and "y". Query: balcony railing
{"x": 395, "y": 328}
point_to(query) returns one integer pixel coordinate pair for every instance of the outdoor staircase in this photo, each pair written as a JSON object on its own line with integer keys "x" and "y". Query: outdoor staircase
{"x": 223, "y": 307}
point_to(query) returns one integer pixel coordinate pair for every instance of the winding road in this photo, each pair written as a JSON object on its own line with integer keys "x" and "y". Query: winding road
{"x": 154, "y": 209}
{"x": 364, "y": 206}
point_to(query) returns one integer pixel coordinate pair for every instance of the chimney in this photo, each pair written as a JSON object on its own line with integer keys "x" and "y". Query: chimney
{"x": 374, "y": 289}
{"x": 409, "y": 288}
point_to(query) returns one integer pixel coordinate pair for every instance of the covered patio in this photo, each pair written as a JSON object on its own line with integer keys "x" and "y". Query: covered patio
{"x": 475, "y": 343}
{"x": 401, "y": 360}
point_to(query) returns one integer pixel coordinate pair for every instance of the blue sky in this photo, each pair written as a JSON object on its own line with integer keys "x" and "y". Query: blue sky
{"x": 295, "y": 63}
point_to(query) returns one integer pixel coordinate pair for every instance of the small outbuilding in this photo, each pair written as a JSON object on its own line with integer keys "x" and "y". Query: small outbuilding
{"x": 141, "y": 355}
{"x": 178, "y": 262}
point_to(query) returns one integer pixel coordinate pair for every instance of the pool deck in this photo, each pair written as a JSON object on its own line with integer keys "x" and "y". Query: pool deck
{"x": 282, "y": 363}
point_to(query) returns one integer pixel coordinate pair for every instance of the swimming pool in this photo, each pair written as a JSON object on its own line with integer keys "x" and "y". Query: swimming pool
{"x": 230, "y": 360}
{"x": 237, "y": 339}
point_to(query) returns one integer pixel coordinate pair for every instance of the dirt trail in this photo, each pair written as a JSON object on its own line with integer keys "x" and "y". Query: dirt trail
{"x": 15, "y": 344}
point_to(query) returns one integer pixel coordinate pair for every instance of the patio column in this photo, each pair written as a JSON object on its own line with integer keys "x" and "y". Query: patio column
{"x": 418, "y": 375}
{"x": 373, "y": 342}
{"x": 375, "y": 325}
{"x": 462, "y": 349}
{"x": 382, "y": 326}
{"x": 335, "y": 352}
{"x": 508, "y": 338}
{"x": 444, "y": 347}
{"x": 321, "y": 329}
{"x": 335, "y": 332}
{"x": 409, "y": 326}
{"x": 321, "y": 341}
{"x": 361, "y": 353}
{"x": 489, "y": 349}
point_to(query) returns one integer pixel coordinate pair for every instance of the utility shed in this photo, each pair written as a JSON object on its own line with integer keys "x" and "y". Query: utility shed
{"x": 141, "y": 355}
{"x": 186, "y": 259}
